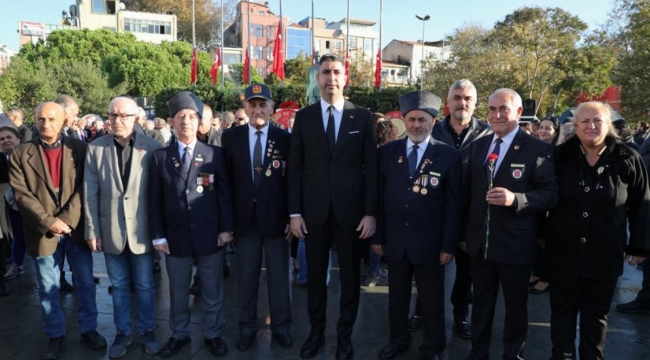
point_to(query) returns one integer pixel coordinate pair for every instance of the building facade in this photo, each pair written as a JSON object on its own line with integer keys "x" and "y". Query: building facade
{"x": 412, "y": 53}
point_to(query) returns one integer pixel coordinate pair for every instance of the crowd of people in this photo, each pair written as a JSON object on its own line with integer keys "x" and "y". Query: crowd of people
{"x": 528, "y": 208}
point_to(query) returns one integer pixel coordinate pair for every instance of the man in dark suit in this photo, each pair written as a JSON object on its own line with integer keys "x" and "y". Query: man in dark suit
{"x": 458, "y": 130}
{"x": 256, "y": 158}
{"x": 190, "y": 217}
{"x": 420, "y": 181}
{"x": 154, "y": 134}
{"x": 206, "y": 133}
{"x": 510, "y": 180}
{"x": 333, "y": 195}
{"x": 46, "y": 175}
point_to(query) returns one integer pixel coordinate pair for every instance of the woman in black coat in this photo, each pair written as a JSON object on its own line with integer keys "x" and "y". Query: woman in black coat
{"x": 603, "y": 187}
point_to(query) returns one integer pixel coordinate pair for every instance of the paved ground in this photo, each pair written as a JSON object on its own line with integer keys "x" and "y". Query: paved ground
{"x": 23, "y": 339}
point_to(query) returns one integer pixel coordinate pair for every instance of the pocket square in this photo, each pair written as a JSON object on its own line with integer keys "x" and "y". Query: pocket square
{"x": 354, "y": 132}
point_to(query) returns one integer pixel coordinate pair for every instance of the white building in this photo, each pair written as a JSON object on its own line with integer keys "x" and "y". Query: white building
{"x": 112, "y": 15}
{"x": 410, "y": 53}
{"x": 364, "y": 39}
{"x": 5, "y": 56}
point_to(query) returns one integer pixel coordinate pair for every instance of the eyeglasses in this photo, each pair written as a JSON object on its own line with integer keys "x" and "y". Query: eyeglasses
{"x": 241, "y": 118}
{"x": 113, "y": 116}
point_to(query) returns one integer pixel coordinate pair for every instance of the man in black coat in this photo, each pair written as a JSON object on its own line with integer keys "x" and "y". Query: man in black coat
{"x": 419, "y": 223}
{"x": 333, "y": 195}
{"x": 256, "y": 159}
{"x": 505, "y": 197}
{"x": 459, "y": 129}
{"x": 191, "y": 218}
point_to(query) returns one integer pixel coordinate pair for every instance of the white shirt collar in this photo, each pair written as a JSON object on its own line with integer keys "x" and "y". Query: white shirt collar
{"x": 338, "y": 105}
{"x": 507, "y": 140}
{"x": 421, "y": 146}
{"x": 252, "y": 129}
{"x": 182, "y": 146}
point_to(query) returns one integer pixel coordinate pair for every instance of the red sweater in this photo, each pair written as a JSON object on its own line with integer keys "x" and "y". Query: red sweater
{"x": 53, "y": 162}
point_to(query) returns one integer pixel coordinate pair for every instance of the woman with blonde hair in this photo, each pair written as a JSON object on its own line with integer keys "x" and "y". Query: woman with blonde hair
{"x": 603, "y": 187}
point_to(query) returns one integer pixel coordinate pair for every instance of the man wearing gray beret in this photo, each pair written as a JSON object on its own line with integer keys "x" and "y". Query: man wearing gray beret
{"x": 191, "y": 217}
{"x": 418, "y": 224}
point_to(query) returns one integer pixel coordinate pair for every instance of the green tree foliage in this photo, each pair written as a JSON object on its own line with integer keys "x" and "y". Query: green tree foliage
{"x": 236, "y": 75}
{"x": 295, "y": 70}
{"x": 25, "y": 85}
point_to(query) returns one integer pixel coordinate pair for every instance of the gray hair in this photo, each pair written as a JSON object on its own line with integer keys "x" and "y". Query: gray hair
{"x": 461, "y": 84}
{"x": 603, "y": 110}
{"x": 514, "y": 96}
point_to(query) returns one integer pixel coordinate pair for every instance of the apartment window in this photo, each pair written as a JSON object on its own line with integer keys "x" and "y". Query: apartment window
{"x": 257, "y": 52}
{"x": 261, "y": 71}
{"x": 367, "y": 45}
{"x": 148, "y": 26}
{"x": 327, "y": 45}
{"x": 260, "y": 13}
{"x": 103, "y": 7}
{"x": 270, "y": 31}
{"x": 257, "y": 30}
{"x": 353, "y": 42}
{"x": 337, "y": 46}
{"x": 231, "y": 59}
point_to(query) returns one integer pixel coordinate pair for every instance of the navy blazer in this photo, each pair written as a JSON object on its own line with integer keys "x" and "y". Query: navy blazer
{"x": 346, "y": 181}
{"x": 190, "y": 220}
{"x": 528, "y": 171}
{"x": 271, "y": 211}
{"x": 412, "y": 224}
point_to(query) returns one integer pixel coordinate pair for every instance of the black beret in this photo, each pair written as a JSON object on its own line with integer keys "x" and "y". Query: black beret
{"x": 185, "y": 100}
{"x": 420, "y": 100}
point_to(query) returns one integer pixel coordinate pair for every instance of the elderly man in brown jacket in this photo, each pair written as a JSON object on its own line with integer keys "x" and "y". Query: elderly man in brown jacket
{"x": 46, "y": 175}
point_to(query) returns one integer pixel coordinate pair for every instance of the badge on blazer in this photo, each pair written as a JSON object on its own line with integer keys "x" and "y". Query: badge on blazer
{"x": 416, "y": 189}
{"x": 199, "y": 189}
{"x": 434, "y": 178}
{"x": 517, "y": 170}
{"x": 276, "y": 164}
{"x": 268, "y": 172}
{"x": 424, "y": 191}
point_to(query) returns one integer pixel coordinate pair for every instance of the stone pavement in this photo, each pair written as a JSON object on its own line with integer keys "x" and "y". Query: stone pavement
{"x": 22, "y": 337}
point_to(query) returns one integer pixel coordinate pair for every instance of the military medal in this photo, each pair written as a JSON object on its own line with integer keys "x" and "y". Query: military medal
{"x": 268, "y": 172}
{"x": 416, "y": 188}
{"x": 276, "y": 164}
{"x": 424, "y": 191}
{"x": 199, "y": 189}
{"x": 400, "y": 160}
{"x": 211, "y": 180}
{"x": 177, "y": 164}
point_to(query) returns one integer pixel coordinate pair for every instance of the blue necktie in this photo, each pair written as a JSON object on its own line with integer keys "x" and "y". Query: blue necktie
{"x": 187, "y": 160}
{"x": 413, "y": 160}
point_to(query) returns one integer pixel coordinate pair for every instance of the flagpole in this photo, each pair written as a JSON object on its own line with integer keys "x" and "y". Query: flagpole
{"x": 248, "y": 31}
{"x": 282, "y": 34}
{"x": 381, "y": 28}
{"x": 223, "y": 78}
{"x": 347, "y": 31}
{"x": 313, "y": 34}
{"x": 194, "y": 39}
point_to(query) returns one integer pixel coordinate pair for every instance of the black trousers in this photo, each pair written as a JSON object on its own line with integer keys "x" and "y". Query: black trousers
{"x": 461, "y": 294}
{"x": 487, "y": 277}
{"x": 430, "y": 282}
{"x": 591, "y": 298}
{"x": 318, "y": 242}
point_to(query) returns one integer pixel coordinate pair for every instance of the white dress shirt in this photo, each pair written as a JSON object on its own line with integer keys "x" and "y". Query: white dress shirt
{"x": 252, "y": 139}
{"x": 504, "y": 146}
{"x": 337, "y": 112}
{"x": 181, "y": 151}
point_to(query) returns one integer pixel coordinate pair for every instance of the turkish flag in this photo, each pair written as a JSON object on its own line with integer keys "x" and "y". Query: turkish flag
{"x": 247, "y": 64}
{"x": 195, "y": 67}
{"x": 278, "y": 54}
{"x": 378, "y": 70}
{"x": 347, "y": 68}
{"x": 214, "y": 70}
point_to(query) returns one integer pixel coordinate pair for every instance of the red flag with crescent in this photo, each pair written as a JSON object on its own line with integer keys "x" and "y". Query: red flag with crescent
{"x": 195, "y": 67}
{"x": 247, "y": 64}
{"x": 378, "y": 70}
{"x": 278, "y": 54}
{"x": 214, "y": 70}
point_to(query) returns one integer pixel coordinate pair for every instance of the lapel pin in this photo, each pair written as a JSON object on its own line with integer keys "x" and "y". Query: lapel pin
{"x": 516, "y": 147}
{"x": 400, "y": 160}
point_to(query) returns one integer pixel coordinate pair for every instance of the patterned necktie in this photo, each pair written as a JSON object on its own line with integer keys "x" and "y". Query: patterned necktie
{"x": 187, "y": 159}
{"x": 331, "y": 139}
{"x": 257, "y": 160}
{"x": 413, "y": 160}
{"x": 495, "y": 151}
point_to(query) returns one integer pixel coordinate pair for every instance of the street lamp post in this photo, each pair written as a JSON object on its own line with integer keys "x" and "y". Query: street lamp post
{"x": 427, "y": 17}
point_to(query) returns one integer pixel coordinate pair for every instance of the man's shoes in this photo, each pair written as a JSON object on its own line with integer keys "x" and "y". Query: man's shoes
{"x": 633, "y": 307}
{"x": 93, "y": 340}
{"x": 389, "y": 351}
{"x": 245, "y": 342}
{"x": 151, "y": 345}
{"x": 537, "y": 291}
{"x": 5, "y": 290}
{"x": 344, "y": 350}
{"x": 310, "y": 347}
{"x": 173, "y": 346}
{"x": 217, "y": 346}
{"x": 118, "y": 348}
{"x": 462, "y": 328}
{"x": 54, "y": 347}
{"x": 380, "y": 278}
{"x": 195, "y": 289}
{"x": 14, "y": 271}
{"x": 415, "y": 323}
{"x": 65, "y": 285}
{"x": 285, "y": 340}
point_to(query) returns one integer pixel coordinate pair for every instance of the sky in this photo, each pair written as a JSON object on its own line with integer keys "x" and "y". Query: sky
{"x": 399, "y": 15}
